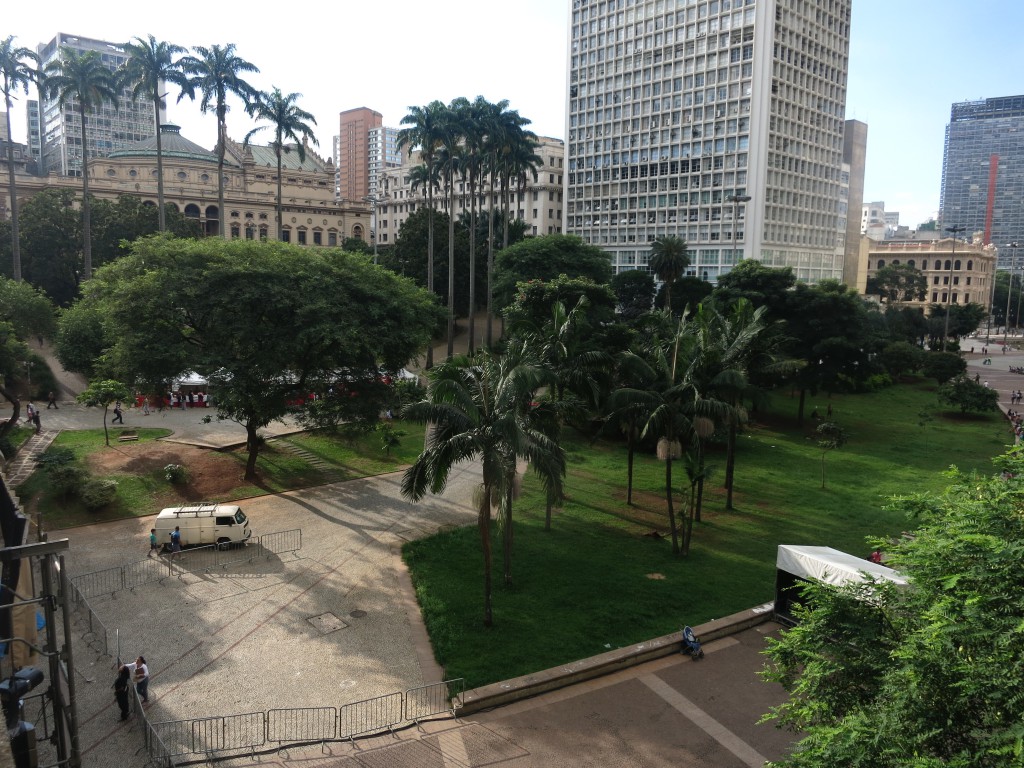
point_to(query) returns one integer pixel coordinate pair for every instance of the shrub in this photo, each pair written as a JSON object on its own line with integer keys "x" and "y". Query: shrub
{"x": 55, "y": 456}
{"x": 98, "y": 492}
{"x": 7, "y": 448}
{"x": 65, "y": 478}
{"x": 176, "y": 474}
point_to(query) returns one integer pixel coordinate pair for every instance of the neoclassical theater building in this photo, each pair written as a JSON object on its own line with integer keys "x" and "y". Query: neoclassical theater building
{"x": 312, "y": 214}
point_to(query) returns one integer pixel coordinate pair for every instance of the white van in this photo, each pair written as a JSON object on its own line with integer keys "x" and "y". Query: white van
{"x": 204, "y": 523}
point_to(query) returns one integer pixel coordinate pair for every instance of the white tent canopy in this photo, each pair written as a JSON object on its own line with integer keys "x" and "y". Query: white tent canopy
{"x": 830, "y": 565}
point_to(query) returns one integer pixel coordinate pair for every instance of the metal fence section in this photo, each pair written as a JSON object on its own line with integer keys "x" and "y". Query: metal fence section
{"x": 281, "y": 541}
{"x": 160, "y": 754}
{"x": 434, "y": 699}
{"x": 94, "y": 632}
{"x": 205, "y": 558}
{"x": 370, "y": 715}
{"x": 229, "y": 733}
{"x": 303, "y": 725}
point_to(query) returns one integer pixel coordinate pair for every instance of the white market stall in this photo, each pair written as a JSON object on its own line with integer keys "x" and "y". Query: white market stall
{"x": 796, "y": 564}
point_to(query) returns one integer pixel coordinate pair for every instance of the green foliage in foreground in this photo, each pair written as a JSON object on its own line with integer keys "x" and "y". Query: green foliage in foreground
{"x": 926, "y": 675}
{"x": 599, "y": 580}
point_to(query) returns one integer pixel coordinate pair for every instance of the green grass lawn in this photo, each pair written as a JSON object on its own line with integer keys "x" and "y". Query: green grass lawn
{"x": 599, "y": 580}
{"x": 140, "y": 494}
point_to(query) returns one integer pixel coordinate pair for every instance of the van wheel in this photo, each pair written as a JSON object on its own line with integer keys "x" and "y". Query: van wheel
{"x": 223, "y": 543}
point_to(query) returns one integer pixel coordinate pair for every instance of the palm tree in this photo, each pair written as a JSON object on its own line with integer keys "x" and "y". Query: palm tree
{"x": 287, "y": 121}
{"x": 451, "y": 158}
{"x": 424, "y": 131}
{"x": 81, "y": 79}
{"x": 16, "y": 71}
{"x": 150, "y": 66}
{"x": 669, "y": 260}
{"x": 480, "y": 408}
{"x": 216, "y": 73}
{"x": 475, "y": 129}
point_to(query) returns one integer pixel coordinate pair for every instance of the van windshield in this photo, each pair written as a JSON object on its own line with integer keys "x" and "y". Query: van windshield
{"x": 240, "y": 517}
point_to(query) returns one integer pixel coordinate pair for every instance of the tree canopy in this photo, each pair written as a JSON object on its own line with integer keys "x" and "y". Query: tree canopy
{"x": 545, "y": 258}
{"x": 881, "y": 676}
{"x": 267, "y": 323}
{"x": 898, "y": 283}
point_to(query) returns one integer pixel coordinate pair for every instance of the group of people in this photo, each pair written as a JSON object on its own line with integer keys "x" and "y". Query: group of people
{"x": 32, "y": 416}
{"x": 1016, "y": 397}
{"x": 1017, "y": 422}
{"x": 137, "y": 672}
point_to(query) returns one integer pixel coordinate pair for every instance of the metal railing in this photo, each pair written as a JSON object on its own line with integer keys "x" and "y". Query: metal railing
{"x": 277, "y": 728}
{"x": 95, "y": 632}
{"x": 158, "y": 751}
{"x": 205, "y": 558}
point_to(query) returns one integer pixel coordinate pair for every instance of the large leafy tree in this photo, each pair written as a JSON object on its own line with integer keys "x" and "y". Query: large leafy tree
{"x": 217, "y": 72}
{"x": 17, "y": 70}
{"x": 898, "y": 283}
{"x": 288, "y": 121}
{"x": 634, "y": 290}
{"x": 116, "y": 223}
{"x": 881, "y": 676}
{"x": 545, "y": 258}
{"x": 669, "y": 260}
{"x": 480, "y": 409}
{"x": 150, "y": 67}
{"x": 103, "y": 394}
{"x": 82, "y": 80}
{"x": 264, "y": 322}
{"x": 50, "y": 233}
{"x": 424, "y": 131}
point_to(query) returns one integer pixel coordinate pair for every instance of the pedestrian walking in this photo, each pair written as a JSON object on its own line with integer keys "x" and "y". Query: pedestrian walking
{"x": 35, "y": 420}
{"x": 120, "y": 687}
{"x": 154, "y": 545}
{"x": 145, "y": 406}
{"x": 51, "y": 401}
{"x": 118, "y": 414}
{"x": 140, "y": 673}
{"x": 30, "y": 412}
{"x": 175, "y": 543}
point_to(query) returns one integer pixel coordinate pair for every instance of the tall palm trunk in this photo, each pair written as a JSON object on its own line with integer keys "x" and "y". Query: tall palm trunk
{"x": 222, "y": 134}
{"x": 507, "y": 539}
{"x": 161, "y": 215}
{"x": 13, "y": 194}
{"x": 472, "y": 261}
{"x": 451, "y": 265}
{"x": 483, "y": 523}
{"x": 280, "y": 209}
{"x": 86, "y": 211}
{"x": 490, "y": 261}
{"x": 430, "y": 259}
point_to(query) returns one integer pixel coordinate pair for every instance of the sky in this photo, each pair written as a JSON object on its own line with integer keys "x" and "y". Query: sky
{"x": 910, "y": 60}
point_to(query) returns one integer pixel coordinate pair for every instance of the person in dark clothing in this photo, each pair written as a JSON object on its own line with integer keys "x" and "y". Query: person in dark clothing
{"x": 118, "y": 414}
{"x": 121, "y": 690}
{"x": 52, "y": 401}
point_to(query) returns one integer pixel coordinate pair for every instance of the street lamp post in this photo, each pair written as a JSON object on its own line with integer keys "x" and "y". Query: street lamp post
{"x": 736, "y": 200}
{"x": 949, "y": 289}
{"x": 1009, "y": 290}
{"x": 374, "y": 201}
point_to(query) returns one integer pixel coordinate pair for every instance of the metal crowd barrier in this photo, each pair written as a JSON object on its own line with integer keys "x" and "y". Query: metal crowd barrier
{"x": 205, "y": 558}
{"x": 95, "y": 631}
{"x": 159, "y": 754}
{"x": 248, "y": 732}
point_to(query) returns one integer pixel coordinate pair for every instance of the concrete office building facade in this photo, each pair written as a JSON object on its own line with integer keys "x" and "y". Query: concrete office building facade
{"x": 676, "y": 106}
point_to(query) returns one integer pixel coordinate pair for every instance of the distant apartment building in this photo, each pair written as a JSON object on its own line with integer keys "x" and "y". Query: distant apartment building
{"x": 851, "y": 198}
{"x": 365, "y": 149}
{"x": 537, "y": 202}
{"x": 111, "y": 126}
{"x": 874, "y": 220}
{"x": 675, "y": 110}
{"x": 983, "y": 170}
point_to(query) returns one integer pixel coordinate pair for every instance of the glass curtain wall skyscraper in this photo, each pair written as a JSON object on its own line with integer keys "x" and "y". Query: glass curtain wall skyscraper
{"x": 679, "y": 109}
{"x": 983, "y": 171}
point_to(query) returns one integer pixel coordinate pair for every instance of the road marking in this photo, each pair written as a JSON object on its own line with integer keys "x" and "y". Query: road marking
{"x": 705, "y": 722}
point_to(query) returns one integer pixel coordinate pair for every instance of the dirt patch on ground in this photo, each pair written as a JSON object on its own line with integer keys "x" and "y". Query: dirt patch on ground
{"x": 211, "y": 474}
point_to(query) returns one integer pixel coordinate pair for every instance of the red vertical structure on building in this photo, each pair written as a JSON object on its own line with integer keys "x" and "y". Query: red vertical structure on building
{"x": 990, "y": 203}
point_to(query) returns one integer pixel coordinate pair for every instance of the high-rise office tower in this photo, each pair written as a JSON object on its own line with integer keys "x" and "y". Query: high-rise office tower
{"x": 680, "y": 110}
{"x": 365, "y": 149}
{"x": 983, "y": 171}
{"x": 110, "y": 127}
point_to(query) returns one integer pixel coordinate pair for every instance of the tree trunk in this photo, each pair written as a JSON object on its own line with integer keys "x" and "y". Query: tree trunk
{"x": 106, "y": 434}
{"x": 668, "y": 498}
{"x": 430, "y": 257}
{"x": 483, "y": 523}
{"x": 86, "y": 213}
{"x": 629, "y": 466}
{"x": 688, "y": 532}
{"x": 222, "y": 133}
{"x": 7, "y": 426}
{"x": 472, "y": 263}
{"x": 13, "y": 194}
{"x": 490, "y": 262}
{"x": 252, "y": 445}
{"x": 451, "y": 269}
{"x": 161, "y": 215}
{"x": 700, "y": 479}
{"x": 280, "y": 208}
{"x": 730, "y": 465}
{"x": 509, "y": 533}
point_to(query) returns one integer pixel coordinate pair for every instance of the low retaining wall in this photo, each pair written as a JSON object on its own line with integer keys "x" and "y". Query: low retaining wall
{"x": 524, "y": 687}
